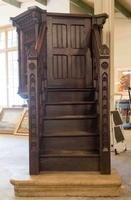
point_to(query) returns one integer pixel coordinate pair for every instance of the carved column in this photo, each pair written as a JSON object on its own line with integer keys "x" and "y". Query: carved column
{"x": 33, "y": 94}
{"x": 104, "y": 116}
{"x": 27, "y": 25}
{"x": 106, "y": 6}
{"x": 103, "y": 92}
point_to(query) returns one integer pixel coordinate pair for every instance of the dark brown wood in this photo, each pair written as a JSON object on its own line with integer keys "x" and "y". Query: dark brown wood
{"x": 102, "y": 85}
{"x": 75, "y": 163}
{"x": 67, "y": 45}
{"x": 69, "y": 143}
{"x": 64, "y": 73}
{"x": 27, "y": 25}
{"x": 33, "y": 111}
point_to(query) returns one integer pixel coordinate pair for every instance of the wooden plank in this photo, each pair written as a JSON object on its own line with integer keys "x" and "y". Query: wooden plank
{"x": 60, "y": 164}
{"x": 69, "y": 143}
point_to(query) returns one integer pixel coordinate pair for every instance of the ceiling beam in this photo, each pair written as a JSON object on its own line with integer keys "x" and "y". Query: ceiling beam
{"x": 13, "y": 3}
{"x": 82, "y": 5}
{"x": 122, "y": 9}
{"x": 43, "y": 2}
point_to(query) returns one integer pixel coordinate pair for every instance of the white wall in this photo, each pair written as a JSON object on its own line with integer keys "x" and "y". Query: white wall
{"x": 122, "y": 48}
{"x": 122, "y": 41}
{"x": 76, "y": 10}
{"x": 8, "y": 11}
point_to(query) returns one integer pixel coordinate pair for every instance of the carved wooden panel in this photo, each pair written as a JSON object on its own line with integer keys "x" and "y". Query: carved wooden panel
{"x": 68, "y": 62}
{"x": 78, "y": 36}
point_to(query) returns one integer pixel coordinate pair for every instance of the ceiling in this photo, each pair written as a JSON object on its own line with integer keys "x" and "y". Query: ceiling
{"x": 123, "y": 6}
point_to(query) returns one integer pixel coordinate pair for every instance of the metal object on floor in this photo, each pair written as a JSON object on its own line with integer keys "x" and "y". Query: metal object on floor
{"x": 123, "y": 106}
{"x": 117, "y": 131}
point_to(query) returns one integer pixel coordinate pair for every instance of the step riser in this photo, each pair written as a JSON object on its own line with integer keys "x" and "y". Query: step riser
{"x": 69, "y": 143}
{"x": 69, "y": 96}
{"x": 61, "y": 110}
{"x": 70, "y": 125}
{"x": 70, "y": 164}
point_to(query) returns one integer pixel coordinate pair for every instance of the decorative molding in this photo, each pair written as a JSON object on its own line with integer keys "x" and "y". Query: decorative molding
{"x": 36, "y": 16}
{"x": 101, "y": 20}
{"x": 104, "y": 50}
{"x": 30, "y": 34}
{"x": 32, "y": 66}
{"x": 104, "y": 65}
{"x": 23, "y": 20}
{"x": 32, "y": 53}
{"x": 32, "y": 111}
{"x": 104, "y": 112}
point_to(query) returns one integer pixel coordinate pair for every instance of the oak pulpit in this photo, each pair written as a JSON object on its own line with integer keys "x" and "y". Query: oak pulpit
{"x": 64, "y": 74}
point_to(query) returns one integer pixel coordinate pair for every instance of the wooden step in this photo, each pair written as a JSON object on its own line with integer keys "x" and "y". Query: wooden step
{"x": 60, "y": 95}
{"x": 69, "y": 141}
{"x": 70, "y": 108}
{"x": 70, "y": 123}
{"x": 71, "y": 103}
{"x": 68, "y": 160}
{"x": 70, "y": 117}
{"x": 70, "y": 134}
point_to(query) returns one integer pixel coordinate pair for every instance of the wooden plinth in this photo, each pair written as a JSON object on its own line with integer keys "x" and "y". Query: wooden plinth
{"x": 66, "y": 184}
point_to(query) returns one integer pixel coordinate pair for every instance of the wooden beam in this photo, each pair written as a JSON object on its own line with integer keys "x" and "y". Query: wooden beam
{"x": 122, "y": 9}
{"x": 43, "y": 2}
{"x": 13, "y": 3}
{"x": 82, "y": 5}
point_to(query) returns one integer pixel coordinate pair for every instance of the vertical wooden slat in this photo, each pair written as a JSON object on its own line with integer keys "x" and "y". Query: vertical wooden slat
{"x": 69, "y": 45}
{"x": 55, "y": 66}
{"x": 59, "y": 37}
{"x": 87, "y": 45}
{"x": 65, "y": 72}
{"x": 73, "y": 66}
{"x": 64, "y": 36}
{"x": 83, "y": 67}
{"x": 59, "y": 67}
{"x": 77, "y": 37}
{"x": 54, "y": 32}
{"x": 82, "y": 37}
{"x": 78, "y": 67}
{"x": 49, "y": 49}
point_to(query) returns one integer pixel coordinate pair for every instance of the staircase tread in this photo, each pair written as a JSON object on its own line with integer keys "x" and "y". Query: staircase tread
{"x": 69, "y": 134}
{"x": 70, "y": 103}
{"x": 70, "y": 153}
{"x": 70, "y": 89}
{"x": 71, "y": 117}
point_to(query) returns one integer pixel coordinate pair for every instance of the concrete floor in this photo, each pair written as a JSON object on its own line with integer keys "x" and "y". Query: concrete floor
{"x": 14, "y": 157}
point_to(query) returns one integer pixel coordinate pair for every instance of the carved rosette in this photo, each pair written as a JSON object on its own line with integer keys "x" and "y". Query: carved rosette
{"x": 32, "y": 66}
{"x": 33, "y": 111}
